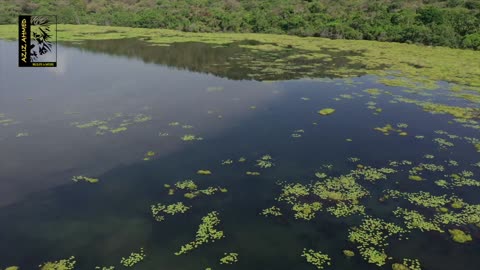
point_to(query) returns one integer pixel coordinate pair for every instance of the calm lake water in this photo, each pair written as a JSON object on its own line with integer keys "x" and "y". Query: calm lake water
{"x": 45, "y": 216}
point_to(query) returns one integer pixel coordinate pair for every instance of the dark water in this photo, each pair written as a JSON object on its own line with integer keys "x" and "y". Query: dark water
{"x": 44, "y": 216}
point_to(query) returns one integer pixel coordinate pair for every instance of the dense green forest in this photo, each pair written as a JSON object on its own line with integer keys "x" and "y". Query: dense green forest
{"x": 452, "y": 23}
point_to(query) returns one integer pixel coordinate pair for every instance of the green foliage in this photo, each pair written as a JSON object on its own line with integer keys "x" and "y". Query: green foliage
{"x": 454, "y": 23}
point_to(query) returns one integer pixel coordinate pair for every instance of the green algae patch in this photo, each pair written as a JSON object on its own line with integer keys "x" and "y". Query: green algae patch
{"x": 84, "y": 178}
{"x": 326, "y": 111}
{"x": 159, "y": 210}
{"x": 204, "y": 172}
{"x": 207, "y": 232}
{"x": 133, "y": 259}
{"x": 65, "y": 264}
{"x": 229, "y": 258}
{"x": 460, "y": 236}
{"x": 316, "y": 258}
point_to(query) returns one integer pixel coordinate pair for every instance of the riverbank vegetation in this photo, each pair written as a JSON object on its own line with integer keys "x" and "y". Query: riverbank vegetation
{"x": 451, "y": 23}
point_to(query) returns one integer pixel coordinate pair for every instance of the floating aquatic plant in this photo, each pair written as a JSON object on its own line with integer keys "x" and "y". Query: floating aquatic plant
{"x": 227, "y": 162}
{"x": 408, "y": 264}
{"x": 402, "y": 125}
{"x": 305, "y": 98}
{"x": 348, "y": 253}
{"x": 214, "y": 89}
{"x": 84, "y": 178}
{"x": 149, "y": 155}
{"x": 207, "y": 232}
{"x": 133, "y": 258}
{"x": 187, "y": 126}
{"x": 451, "y": 162}
{"x": 342, "y": 188}
{"x": 242, "y": 159}
{"x": 373, "y": 174}
{"x": 265, "y": 162}
{"x": 12, "y": 268}
{"x": 22, "y": 134}
{"x": 321, "y": 175}
{"x": 252, "y": 173}
{"x": 326, "y": 111}
{"x": 271, "y": 211}
{"x": 117, "y": 130}
{"x": 353, "y": 159}
{"x": 414, "y": 220}
{"x": 421, "y": 198}
{"x": 372, "y": 236}
{"x": 415, "y": 178}
{"x": 342, "y": 209}
{"x": 229, "y": 258}
{"x": 186, "y": 184}
{"x": 306, "y": 211}
{"x": 105, "y": 267}
{"x": 204, "y": 172}
{"x": 388, "y": 128}
{"x": 174, "y": 124}
{"x": 460, "y": 236}
{"x": 316, "y": 258}
{"x": 158, "y": 210}
{"x": 162, "y": 134}
{"x": 442, "y": 143}
{"x": 65, "y": 264}
{"x": 373, "y": 91}
{"x": 461, "y": 179}
{"x": 291, "y": 192}
{"x": 190, "y": 137}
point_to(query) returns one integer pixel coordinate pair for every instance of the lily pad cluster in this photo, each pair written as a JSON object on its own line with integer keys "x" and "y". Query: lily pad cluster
{"x": 229, "y": 258}
{"x": 207, "y": 232}
{"x": 64, "y": 264}
{"x": 159, "y": 210}
{"x": 133, "y": 259}
{"x": 372, "y": 237}
{"x": 191, "y": 189}
{"x": 316, "y": 258}
{"x": 388, "y": 128}
{"x": 85, "y": 178}
{"x": 115, "y": 124}
{"x": 265, "y": 162}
